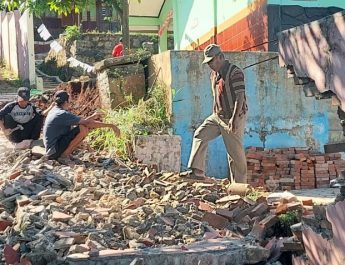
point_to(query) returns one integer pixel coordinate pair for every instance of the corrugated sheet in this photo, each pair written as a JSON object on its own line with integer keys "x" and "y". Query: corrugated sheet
{"x": 317, "y": 50}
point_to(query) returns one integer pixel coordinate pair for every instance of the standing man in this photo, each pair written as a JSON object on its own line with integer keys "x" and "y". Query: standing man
{"x": 118, "y": 49}
{"x": 228, "y": 118}
{"x": 20, "y": 120}
{"x": 64, "y": 131}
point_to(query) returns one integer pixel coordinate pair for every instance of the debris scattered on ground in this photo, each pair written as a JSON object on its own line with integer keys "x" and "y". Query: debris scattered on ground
{"x": 50, "y": 211}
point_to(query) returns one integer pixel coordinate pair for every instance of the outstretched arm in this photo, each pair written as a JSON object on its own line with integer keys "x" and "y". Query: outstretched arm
{"x": 93, "y": 124}
{"x": 45, "y": 112}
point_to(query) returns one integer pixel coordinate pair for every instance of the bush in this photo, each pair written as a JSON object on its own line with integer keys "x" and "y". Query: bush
{"x": 145, "y": 118}
{"x": 72, "y": 33}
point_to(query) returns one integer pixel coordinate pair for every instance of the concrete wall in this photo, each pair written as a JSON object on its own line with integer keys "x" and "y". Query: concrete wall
{"x": 279, "y": 113}
{"x": 12, "y": 42}
{"x": 17, "y": 43}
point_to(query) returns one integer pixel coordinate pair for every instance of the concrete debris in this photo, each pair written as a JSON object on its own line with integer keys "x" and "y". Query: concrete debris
{"x": 58, "y": 213}
{"x": 320, "y": 234}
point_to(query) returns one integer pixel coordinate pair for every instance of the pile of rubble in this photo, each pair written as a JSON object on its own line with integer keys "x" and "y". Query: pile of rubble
{"x": 50, "y": 211}
{"x": 292, "y": 168}
{"x": 84, "y": 97}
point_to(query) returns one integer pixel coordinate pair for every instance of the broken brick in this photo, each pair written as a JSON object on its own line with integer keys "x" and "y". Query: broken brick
{"x": 203, "y": 206}
{"x": 215, "y": 220}
{"x": 269, "y": 221}
{"x": 22, "y": 200}
{"x": 260, "y": 209}
{"x": 226, "y": 213}
{"x": 11, "y": 256}
{"x": 59, "y": 216}
{"x": 4, "y": 224}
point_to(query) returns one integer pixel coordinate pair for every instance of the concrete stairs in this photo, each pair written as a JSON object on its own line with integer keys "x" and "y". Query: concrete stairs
{"x": 47, "y": 82}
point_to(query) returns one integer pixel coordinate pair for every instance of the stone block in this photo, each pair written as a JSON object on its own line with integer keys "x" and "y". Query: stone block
{"x": 118, "y": 83}
{"x": 161, "y": 150}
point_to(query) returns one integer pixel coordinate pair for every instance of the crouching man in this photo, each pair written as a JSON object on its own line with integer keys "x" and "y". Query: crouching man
{"x": 64, "y": 131}
{"x": 21, "y": 121}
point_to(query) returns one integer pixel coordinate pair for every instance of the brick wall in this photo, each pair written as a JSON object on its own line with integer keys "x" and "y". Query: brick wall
{"x": 249, "y": 33}
{"x": 246, "y": 33}
{"x": 164, "y": 151}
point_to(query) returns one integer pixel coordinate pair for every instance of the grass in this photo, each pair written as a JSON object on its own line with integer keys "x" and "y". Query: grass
{"x": 255, "y": 194}
{"x": 9, "y": 76}
{"x": 145, "y": 118}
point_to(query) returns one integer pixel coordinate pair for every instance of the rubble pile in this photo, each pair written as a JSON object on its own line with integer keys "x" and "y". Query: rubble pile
{"x": 292, "y": 168}
{"x": 50, "y": 211}
{"x": 321, "y": 233}
{"x": 85, "y": 97}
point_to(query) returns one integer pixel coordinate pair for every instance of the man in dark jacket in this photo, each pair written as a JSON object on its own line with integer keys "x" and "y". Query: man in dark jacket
{"x": 20, "y": 120}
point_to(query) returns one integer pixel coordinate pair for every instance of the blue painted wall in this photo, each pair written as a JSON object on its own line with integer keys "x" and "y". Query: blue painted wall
{"x": 279, "y": 113}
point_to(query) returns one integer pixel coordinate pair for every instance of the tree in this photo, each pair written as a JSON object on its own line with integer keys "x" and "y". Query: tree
{"x": 122, "y": 7}
{"x": 39, "y": 7}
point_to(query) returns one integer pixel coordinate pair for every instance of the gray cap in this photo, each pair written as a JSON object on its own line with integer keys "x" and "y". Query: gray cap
{"x": 210, "y": 52}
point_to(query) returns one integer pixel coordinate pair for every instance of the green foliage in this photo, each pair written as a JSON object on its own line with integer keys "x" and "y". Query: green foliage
{"x": 289, "y": 218}
{"x": 286, "y": 220}
{"x": 38, "y": 7}
{"x": 72, "y": 33}
{"x": 255, "y": 194}
{"x": 145, "y": 118}
{"x": 11, "y": 78}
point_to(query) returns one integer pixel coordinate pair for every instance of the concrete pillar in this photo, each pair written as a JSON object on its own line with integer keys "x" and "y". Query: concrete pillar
{"x": 26, "y": 48}
{"x": 5, "y": 38}
{"x": 12, "y": 30}
{"x": 163, "y": 41}
{"x": 177, "y": 40}
{"x": 2, "y": 15}
{"x": 31, "y": 47}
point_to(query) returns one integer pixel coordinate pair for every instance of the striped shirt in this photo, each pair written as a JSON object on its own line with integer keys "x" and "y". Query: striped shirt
{"x": 227, "y": 83}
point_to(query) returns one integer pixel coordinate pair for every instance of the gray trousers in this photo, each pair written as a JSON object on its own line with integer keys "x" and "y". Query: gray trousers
{"x": 211, "y": 128}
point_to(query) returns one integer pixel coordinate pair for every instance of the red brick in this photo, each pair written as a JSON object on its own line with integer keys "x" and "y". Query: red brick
{"x": 59, "y": 216}
{"x": 215, "y": 220}
{"x": 4, "y": 224}
{"x": 11, "y": 256}
{"x": 14, "y": 174}
{"x": 260, "y": 209}
{"x": 226, "y": 213}
{"x": 205, "y": 207}
{"x": 269, "y": 221}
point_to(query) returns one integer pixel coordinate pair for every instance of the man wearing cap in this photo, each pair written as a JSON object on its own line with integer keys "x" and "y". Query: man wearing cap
{"x": 118, "y": 49}
{"x": 21, "y": 120}
{"x": 63, "y": 131}
{"x": 228, "y": 118}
